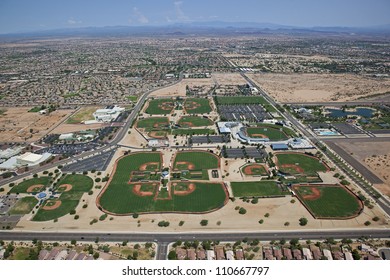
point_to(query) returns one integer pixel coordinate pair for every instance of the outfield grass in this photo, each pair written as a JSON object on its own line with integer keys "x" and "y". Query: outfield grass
{"x": 195, "y": 131}
{"x": 200, "y": 160}
{"x": 257, "y": 188}
{"x": 256, "y": 170}
{"x": 202, "y": 108}
{"x": 195, "y": 121}
{"x": 334, "y": 202}
{"x": 232, "y": 100}
{"x": 272, "y": 133}
{"x": 206, "y": 197}
{"x": 69, "y": 200}
{"x": 155, "y": 122}
{"x": 155, "y": 106}
{"x": 23, "y": 206}
{"x": 118, "y": 194}
{"x": 23, "y": 186}
{"x": 132, "y": 98}
{"x": 307, "y": 163}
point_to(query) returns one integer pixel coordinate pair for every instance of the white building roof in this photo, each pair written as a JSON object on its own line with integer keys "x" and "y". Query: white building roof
{"x": 30, "y": 157}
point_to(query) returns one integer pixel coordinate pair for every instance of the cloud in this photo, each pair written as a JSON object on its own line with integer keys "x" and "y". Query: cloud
{"x": 72, "y": 21}
{"x": 179, "y": 11}
{"x": 140, "y": 17}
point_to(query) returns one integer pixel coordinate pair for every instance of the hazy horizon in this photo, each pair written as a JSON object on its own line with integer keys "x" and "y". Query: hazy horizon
{"x": 25, "y": 16}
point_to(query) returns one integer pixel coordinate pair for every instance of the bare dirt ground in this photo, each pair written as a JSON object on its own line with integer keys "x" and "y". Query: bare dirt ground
{"x": 68, "y": 128}
{"x": 375, "y": 156}
{"x": 180, "y": 88}
{"x": 229, "y": 78}
{"x": 319, "y": 87}
{"x": 134, "y": 139}
{"x": 18, "y": 125}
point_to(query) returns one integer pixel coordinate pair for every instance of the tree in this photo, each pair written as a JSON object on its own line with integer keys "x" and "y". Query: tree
{"x": 172, "y": 255}
{"x": 242, "y": 211}
{"x": 356, "y": 255}
{"x": 181, "y": 223}
{"x": 302, "y": 221}
{"x": 294, "y": 242}
{"x": 96, "y": 255}
{"x": 135, "y": 255}
{"x": 73, "y": 242}
{"x": 204, "y": 223}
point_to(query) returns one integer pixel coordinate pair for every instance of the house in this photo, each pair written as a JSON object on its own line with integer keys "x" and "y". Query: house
{"x": 210, "y": 254}
{"x": 181, "y": 253}
{"x": 200, "y": 254}
{"x": 191, "y": 255}
{"x": 239, "y": 254}
{"x": 337, "y": 255}
{"x": 43, "y": 254}
{"x": 220, "y": 253}
{"x": 316, "y": 252}
{"x": 53, "y": 254}
{"x": 108, "y": 114}
{"x": 278, "y": 253}
{"x": 287, "y": 253}
{"x": 62, "y": 255}
{"x": 327, "y": 254}
{"x": 72, "y": 255}
{"x": 297, "y": 254}
{"x": 307, "y": 254}
{"x": 229, "y": 255}
{"x": 268, "y": 255}
{"x": 80, "y": 257}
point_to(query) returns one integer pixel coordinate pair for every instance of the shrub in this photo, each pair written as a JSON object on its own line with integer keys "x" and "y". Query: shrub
{"x": 375, "y": 219}
{"x": 90, "y": 192}
{"x": 367, "y": 223}
{"x": 303, "y": 221}
{"x": 85, "y": 206}
{"x": 72, "y": 212}
{"x": 97, "y": 180}
{"x": 286, "y": 224}
{"x": 135, "y": 215}
{"x": 242, "y": 211}
{"x": 261, "y": 221}
{"x": 266, "y": 215}
{"x": 103, "y": 217}
{"x": 94, "y": 221}
{"x": 181, "y": 223}
{"x": 76, "y": 217}
{"x": 163, "y": 224}
{"x": 204, "y": 223}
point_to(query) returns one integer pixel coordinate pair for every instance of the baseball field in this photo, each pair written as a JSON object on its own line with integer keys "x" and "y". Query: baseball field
{"x": 160, "y": 106}
{"x": 299, "y": 163}
{"x": 70, "y": 189}
{"x": 32, "y": 185}
{"x": 329, "y": 201}
{"x": 197, "y": 106}
{"x": 194, "y": 121}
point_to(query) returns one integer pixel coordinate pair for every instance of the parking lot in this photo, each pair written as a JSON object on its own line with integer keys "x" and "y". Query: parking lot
{"x": 210, "y": 139}
{"x": 6, "y": 202}
{"x": 247, "y": 152}
{"x": 253, "y": 113}
{"x": 346, "y": 128}
{"x": 69, "y": 149}
{"x": 98, "y": 163}
{"x": 9, "y": 222}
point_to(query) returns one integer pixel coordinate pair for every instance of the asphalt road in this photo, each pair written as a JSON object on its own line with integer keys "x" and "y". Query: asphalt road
{"x": 164, "y": 239}
{"x": 348, "y": 103}
{"x": 370, "y": 176}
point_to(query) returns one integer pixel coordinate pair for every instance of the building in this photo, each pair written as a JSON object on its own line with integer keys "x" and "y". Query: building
{"x": 279, "y": 147}
{"x": 327, "y": 254}
{"x": 210, "y": 254}
{"x": 307, "y": 254}
{"x": 66, "y": 136}
{"x": 299, "y": 143}
{"x": 109, "y": 114}
{"x": 230, "y": 255}
{"x": 10, "y": 152}
{"x": 239, "y": 254}
{"x": 158, "y": 143}
{"x": 26, "y": 159}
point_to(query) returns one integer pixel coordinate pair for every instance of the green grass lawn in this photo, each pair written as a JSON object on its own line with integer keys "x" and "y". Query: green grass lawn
{"x": 160, "y": 106}
{"x": 23, "y": 186}
{"x": 69, "y": 200}
{"x": 132, "y": 98}
{"x": 230, "y": 100}
{"x": 194, "y": 121}
{"x": 195, "y": 131}
{"x": 202, "y": 106}
{"x": 156, "y": 122}
{"x": 307, "y": 163}
{"x": 200, "y": 160}
{"x": 206, "y": 196}
{"x": 334, "y": 202}
{"x": 272, "y": 133}
{"x": 84, "y": 114}
{"x": 257, "y": 188}
{"x": 23, "y": 206}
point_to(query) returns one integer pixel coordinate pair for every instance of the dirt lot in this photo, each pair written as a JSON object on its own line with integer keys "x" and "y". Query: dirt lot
{"x": 319, "y": 87}
{"x": 18, "y": 125}
{"x": 229, "y": 79}
{"x": 68, "y": 128}
{"x": 180, "y": 88}
{"x": 376, "y": 156}
{"x": 84, "y": 114}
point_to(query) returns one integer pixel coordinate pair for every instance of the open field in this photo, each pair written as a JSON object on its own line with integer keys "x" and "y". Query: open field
{"x": 68, "y": 128}
{"x": 254, "y": 169}
{"x": 257, "y": 189}
{"x": 179, "y": 89}
{"x": 194, "y": 121}
{"x": 84, "y": 114}
{"x": 229, "y": 78}
{"x": 160, "y": 106}
{"x": 155, "y": 122}
{"x": 329, "y": 201}
{"x": 197, "y": 106}
{"x": 195, "y": 161}
{"x": 320, "y": 87}
{"x": 27, "y": 186}
{"x": 68, "y": 200}
{"x": 23, "y": 206}
{"x": 298, "y": 163}
{"x": 18, "y": 125}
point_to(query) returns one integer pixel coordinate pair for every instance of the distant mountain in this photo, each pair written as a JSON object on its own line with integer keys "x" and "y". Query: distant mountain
{"x": 199, "y": 28}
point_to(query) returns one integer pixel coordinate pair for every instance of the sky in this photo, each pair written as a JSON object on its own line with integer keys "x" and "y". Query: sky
{"x": 31, "y": 15}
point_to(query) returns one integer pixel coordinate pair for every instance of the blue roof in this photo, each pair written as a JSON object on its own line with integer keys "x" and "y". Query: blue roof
{"x": 279, "y": 147}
